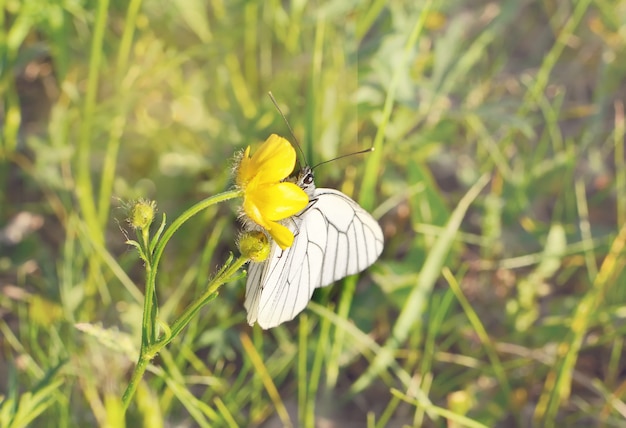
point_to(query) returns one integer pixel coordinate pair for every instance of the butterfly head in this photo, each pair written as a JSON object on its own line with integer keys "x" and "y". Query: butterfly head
{"x": 306, "y": 181}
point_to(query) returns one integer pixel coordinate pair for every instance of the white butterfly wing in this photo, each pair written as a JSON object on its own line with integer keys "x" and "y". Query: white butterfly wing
{"x": 354, "y": 239}
{"x": 334, "y": 238}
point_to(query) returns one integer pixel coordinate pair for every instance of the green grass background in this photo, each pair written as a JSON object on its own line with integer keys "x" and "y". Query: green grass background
{"x": 498, "y": 177}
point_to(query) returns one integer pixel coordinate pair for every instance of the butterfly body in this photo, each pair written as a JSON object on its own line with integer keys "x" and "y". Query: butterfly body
{"x": 334, "y": 238}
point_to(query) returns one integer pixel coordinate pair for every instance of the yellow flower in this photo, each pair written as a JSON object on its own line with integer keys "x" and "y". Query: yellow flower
{"x": 267, "y": 198}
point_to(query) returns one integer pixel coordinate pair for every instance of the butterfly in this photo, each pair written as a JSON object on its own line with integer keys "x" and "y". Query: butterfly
{"x": 334, "y": 237}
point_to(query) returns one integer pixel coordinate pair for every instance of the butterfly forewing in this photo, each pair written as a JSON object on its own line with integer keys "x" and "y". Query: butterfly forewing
{"x": 355, "y": 239}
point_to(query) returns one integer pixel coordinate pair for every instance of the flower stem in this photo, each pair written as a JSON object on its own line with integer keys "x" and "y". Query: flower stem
{"x": 140, "y": 368}
{"x": 150, "y": 346}
{"x": 195, "y": 306}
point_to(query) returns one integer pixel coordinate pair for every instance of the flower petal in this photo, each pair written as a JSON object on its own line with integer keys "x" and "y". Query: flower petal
{"x": 245, "y": 170}
{"x": 278, "y": 201}
{"x": 283, "y": 236}
{"x": 274, "y": 160}
{"x": 254, "y": 213}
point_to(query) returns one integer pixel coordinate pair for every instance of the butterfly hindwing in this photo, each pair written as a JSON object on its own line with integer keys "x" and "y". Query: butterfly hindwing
{"x": 279, "y": 288}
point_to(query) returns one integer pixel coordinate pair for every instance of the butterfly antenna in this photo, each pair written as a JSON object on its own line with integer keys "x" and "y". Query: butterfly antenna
{"x": 371, "y": 149}
{"x": 288, "y": 126}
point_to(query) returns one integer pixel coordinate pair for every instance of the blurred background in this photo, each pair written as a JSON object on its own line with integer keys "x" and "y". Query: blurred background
{"x": 498, "y": 179}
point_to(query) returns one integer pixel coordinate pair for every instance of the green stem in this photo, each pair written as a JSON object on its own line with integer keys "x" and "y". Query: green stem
{"x": 150, "y": 352}
{"x": 195, "y": 306}
{"x": 149, "y": 345}
{"x": 149, "y": 315}
{"x": 140, "y": 369}
{"x": 190, "y": 212}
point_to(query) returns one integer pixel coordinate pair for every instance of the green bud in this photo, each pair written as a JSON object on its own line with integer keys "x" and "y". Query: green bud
{"x": 142, "y": 214}
{"x": 254, "y": 245}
